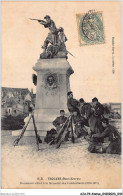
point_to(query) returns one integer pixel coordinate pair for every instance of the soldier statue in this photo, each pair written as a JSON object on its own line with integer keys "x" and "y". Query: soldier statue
{"x": 54, "y": 44}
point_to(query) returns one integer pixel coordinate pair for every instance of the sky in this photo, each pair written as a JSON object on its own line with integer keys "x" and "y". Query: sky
{"x": 21, "y": 41}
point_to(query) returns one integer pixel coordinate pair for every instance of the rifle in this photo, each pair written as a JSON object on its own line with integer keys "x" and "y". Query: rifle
{"x": 70, "y": 53}
{"x": 63, "y": 135}
{"x": 71, "y": 121}
{"x": 15, "y": 143}
{"x": 66, "y": 50}
{"x": 38, "y": 139}
{"x": 42, "y": 21}
{"x": 60, "y": 132}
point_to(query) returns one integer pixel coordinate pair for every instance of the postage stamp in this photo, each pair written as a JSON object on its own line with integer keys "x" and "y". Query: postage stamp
{"x": 90, "y": 28}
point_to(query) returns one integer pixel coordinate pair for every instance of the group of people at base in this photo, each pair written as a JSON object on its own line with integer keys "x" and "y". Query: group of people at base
{"x": 86, "y": 120}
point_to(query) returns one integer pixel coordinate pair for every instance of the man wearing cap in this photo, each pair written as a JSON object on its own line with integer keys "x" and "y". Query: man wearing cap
{"x": 59, "y": 121}
{"x": 95, "y": 116}
{"x": 97, "y": 107}
{"x": 114, "y": 137}
{"x": 72, "y": 103}
{"x": 52, "y": 35}
{"x": 85, "y": 109}
{"x": 62, "y": 134}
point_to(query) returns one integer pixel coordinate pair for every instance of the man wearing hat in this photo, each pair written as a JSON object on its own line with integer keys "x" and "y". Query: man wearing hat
{"x": 72, "y": 103}
{"x": 114, "y": 137}
{"x": 52, "y": 35}
{"x": 95, "y": 116}
{"x": 59, "y": 121}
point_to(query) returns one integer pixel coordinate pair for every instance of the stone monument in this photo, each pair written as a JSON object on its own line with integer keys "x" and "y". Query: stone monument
{"x": 52, "y": 79}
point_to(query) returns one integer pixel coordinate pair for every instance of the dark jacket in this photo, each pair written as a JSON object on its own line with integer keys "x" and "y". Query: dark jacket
{"x": 99, "y": 110}
{"x": 51, "y": 25}
{"x": 78, "y": 120}
{"x": 110, "y": 131}
{"x": 85, "y": 110}
{"x": 79, "y": 125}
{"x": 59, "y": 121}
{"x": 72, "y": 104}
{"x": 94, "y": 118}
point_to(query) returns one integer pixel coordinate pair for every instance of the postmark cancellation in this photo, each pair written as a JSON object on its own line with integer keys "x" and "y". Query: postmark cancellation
{"x": 90, "y": 28}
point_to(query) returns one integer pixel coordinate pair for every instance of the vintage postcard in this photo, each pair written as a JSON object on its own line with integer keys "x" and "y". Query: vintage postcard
{"x": 61, "y": 95}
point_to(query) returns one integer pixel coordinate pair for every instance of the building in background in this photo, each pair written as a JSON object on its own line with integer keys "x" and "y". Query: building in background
{"x": 15, "y": 101}
{"x": 116, "y": 107}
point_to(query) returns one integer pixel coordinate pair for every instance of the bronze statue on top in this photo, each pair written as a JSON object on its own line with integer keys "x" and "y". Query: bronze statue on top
{"x": 54, "y": 44}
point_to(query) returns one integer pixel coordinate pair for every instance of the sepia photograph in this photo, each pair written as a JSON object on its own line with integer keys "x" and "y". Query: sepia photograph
{"x": 61, "y": 95}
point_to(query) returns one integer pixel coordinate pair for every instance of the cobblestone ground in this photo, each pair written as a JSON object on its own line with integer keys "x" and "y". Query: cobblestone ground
{"x": 71, "y": 159}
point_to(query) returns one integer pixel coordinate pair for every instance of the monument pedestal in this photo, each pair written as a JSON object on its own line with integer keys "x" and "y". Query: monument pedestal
{"x": 51, "y": 94}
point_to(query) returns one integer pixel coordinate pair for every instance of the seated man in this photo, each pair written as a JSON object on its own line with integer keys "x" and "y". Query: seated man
{"x": 59, "y": 121}
{"x": 114, "y": 138}
{"x": 63, "y": 133}
{"x": 78, "y": 121}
